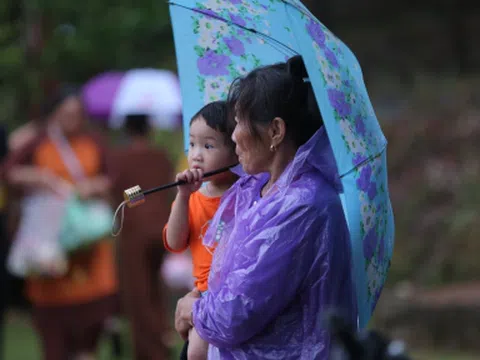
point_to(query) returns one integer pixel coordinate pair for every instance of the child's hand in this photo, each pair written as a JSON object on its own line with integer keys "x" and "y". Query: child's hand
{"x": 193, "y": 178}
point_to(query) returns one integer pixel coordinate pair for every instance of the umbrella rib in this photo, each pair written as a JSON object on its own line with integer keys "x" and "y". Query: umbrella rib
{"x": 307, "y": 13}
{"x": 368, "y": 159}
{"x": 235, "y": 24}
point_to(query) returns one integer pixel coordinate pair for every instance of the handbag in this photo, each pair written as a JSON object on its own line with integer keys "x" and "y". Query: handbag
{"x": 35, "y": 250}
{"x": 85, "y": 221}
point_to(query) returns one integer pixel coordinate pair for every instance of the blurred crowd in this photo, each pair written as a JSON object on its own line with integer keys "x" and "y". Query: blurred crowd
{"x": 75, "y": 301}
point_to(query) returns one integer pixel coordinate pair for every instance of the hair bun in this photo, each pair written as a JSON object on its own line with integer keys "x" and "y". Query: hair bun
{"x": 296, "y": 67}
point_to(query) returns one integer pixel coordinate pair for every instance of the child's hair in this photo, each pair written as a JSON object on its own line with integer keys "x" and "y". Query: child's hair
{"x": 217, "y": 116}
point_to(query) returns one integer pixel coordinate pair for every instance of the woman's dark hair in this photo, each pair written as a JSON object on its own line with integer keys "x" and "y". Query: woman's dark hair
{"x": 217, "y": 116}
{"x": 281, "y": 90}
{"x": 60, "y": 95}
{"x": 137, "y": 124}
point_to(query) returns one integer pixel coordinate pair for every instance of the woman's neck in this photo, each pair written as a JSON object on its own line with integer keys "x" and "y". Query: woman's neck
{"x": 281, "y": 159}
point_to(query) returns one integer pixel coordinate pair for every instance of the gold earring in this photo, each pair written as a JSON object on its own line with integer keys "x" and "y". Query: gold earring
{"x": 272, "y": 148}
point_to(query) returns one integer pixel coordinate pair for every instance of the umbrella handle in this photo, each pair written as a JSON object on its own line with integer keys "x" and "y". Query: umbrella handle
{"x": 135, "y": 196}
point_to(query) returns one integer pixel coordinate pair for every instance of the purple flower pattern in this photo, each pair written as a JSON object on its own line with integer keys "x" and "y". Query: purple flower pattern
{"x": 212, "y": 63}
{"x": 331, "y": 57}
{"x": 208, "y": 12}
{"x": 370, "y": 243}
{"x": 237, "y": 19}
{"x": 358, "y": 159}
{"x": 338, "y": 102}
{"x": 372, "y": 190}
{"x": 360, "y": 141}
{"x": 316, "y": 32}
{"x": 363, "y": 181}
{"x": 222, "y": 47}
{"x": 235, "y": 45}
{"x": 360, "y": 125}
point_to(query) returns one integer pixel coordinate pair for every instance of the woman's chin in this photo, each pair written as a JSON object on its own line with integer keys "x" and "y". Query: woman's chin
{"x": 247, "y": 169}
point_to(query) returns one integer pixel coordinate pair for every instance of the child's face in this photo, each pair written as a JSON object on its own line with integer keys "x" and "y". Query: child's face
{"x": 207, "y": 150}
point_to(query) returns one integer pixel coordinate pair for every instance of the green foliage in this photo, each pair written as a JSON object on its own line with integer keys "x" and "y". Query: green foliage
{"x": 81, "y": 39}
{"x": 92, "y": 36}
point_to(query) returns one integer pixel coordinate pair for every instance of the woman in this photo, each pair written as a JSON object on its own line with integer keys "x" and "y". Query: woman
{"x": 283, "y": 255}
{"x": 68, "y": 311}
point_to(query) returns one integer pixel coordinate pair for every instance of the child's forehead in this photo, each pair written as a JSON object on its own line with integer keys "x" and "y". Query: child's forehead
{"x": 200, "y": 128}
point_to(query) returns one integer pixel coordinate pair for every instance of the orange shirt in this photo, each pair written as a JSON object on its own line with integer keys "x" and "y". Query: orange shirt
{"x": 91, "y": 273}
{"x": 201, "y": 209}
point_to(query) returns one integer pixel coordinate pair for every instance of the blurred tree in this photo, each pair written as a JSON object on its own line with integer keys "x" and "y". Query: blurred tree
{"x": 11, "y": 57}
{"x": 92, "y": 36}
{"x": 43, "y": 42}
{"x": 79, "y": 39}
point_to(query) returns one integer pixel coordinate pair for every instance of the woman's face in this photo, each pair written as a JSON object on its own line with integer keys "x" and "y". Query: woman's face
{"x": 253, "y": 151}
{"x": 70, "y": 116}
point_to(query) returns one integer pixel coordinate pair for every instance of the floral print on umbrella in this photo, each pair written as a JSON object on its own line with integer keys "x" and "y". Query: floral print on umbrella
{"x": 352, "y": 111}
{"x": 223, "y": 38}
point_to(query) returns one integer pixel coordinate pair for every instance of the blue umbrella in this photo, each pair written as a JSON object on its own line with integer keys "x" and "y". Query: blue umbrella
{"x": 218, "y": 40}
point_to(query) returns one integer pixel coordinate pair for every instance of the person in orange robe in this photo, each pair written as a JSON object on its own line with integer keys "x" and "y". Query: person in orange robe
{"x": 69, "y": 311}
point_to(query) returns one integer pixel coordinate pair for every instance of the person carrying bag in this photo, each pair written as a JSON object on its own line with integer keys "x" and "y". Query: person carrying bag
{"x": 69, "y": 308}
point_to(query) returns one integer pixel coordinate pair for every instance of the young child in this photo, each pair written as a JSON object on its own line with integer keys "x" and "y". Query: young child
{"x": 211, "y": 147}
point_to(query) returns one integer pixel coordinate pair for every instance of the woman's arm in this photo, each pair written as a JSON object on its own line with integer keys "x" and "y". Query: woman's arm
{"x": 35, "y": 177}
{"x": 98, "y": 186}
{"x": 266, "y": 275}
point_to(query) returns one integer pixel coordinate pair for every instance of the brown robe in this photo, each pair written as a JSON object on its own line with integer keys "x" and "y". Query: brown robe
{"x": 139, "y": 246}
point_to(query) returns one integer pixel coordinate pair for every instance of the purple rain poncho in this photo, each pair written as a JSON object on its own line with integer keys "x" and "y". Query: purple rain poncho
{"x": 281, "y": 261}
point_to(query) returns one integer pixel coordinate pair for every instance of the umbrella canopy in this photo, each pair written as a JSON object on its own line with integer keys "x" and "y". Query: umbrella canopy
{"x": 99, "y": 93}
{"x": 113, "y": 95}
{"x": 216, "y": 41}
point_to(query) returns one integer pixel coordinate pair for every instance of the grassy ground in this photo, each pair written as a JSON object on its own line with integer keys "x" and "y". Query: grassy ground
{"x": 21, "y": 344}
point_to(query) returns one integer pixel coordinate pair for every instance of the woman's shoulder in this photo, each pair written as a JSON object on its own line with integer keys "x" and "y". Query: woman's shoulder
{"x": 247, "y": 181}
{"x": 313, "y": 190}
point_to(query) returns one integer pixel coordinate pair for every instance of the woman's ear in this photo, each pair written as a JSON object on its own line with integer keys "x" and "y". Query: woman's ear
{"x": 277, "y": 131}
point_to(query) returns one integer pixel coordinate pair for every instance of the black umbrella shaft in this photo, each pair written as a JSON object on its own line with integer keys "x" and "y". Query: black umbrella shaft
{"x": 181, "y": 182}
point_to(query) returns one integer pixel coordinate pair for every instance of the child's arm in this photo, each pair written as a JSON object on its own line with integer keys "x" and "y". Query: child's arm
{"x": 177, "y": 226}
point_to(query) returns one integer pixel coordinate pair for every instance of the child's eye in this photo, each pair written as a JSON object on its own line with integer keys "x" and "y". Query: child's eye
{"x": 191, "y": 144}
{"x": 208, "y": 146}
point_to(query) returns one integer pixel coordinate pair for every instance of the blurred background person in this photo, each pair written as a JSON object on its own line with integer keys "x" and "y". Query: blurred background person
{"x": 139, "y": 246}
{"x": 68, "y": 311}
